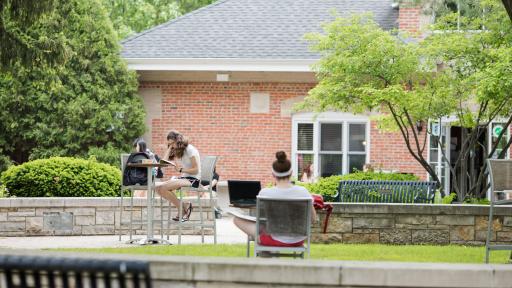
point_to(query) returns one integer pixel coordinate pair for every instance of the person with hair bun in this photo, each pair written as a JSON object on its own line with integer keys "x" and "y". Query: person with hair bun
{"x": 188, "y": 163}
{"x": 282, "y": 171}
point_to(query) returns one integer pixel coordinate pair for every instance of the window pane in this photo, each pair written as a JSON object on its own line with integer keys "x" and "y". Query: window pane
{"x": 330, "y": 139}
{"x": 305, "y": 137}
{"x": 331, "y": 164}
{"x": 357, "y": 137}
{"x": 305, "y": 161}
{"x": 356, "y": 162}
{"x": 496, "y": 130}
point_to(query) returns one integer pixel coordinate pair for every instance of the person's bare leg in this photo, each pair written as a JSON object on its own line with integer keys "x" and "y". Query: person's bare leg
{"x": 166, "y": 190}
{"x": 248, "y": 227}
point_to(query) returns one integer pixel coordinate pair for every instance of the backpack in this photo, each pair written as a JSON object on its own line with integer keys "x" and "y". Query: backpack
{"x": 319, "y": 204}
{"x": 135, "y": 175}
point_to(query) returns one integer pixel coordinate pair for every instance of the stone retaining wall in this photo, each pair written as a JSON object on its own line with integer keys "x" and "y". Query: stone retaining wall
{"x": 414, "y": 224}
{"x": 78, "y": 216}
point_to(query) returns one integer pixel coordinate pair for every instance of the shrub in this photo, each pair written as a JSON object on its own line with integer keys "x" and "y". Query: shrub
{"x": 108, "y": 155}
{"x": 448, "y": 199}
{"x": 328, "y": 186}
{"x": 62, "y": 177}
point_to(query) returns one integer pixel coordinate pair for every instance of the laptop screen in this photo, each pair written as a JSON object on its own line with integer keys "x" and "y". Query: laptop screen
{"x": 243, "y": 190}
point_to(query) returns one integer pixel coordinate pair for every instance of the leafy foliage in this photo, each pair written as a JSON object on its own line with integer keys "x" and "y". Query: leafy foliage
{"x": 134, "y": 16}
{"x": 108, "y": 155}
{"x": 18, "y": 19}
{"x": 461, "y": 73}
{"x": 328, "y": 186}
{"x": 62, "y": 177}
{"x": 89, "y": 101}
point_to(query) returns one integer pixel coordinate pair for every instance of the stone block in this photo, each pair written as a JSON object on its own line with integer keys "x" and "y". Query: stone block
{"x": 395, "y": 236}
{"x": 328, "y": 238}
{"x": 81, "y": 211}
{"x": 338, "y": 225}
{"x": 84, "y": 220}
{"x": 430, "y": 236}
{"x": 34, "y": 225}
{"x": 3, "y": 216}
{"x": 360, "y": 238}
{"x": 16, "y": 218}
{"x": 368, "y": 231}
{"x": 481, "y": 223}
{"x": 104, "y": 217}
{"x": 462, "y": 233}
{"x": 11, "y": 226}
{"x": 455, "y": 220}
{"x": 41, "y": 211}
{"x": 482, "y": 236}
{"x": 98, "y": 230}
{"x": 22, "y": 212}
{"x": 373, "y": 222}
{"x": 411, "y": 226}
{"x": 507, "y": 221}
{"x": 58, "y": 221}
{"x": 504, "y": 236}
{"x": 415, "y": 219}
{"x": 438, "y": 227}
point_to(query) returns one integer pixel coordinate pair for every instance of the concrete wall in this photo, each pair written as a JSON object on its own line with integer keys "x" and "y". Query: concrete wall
{"x": 414, "y": 224}
{"x": 79, "y": 216}
{"x": 189, "y": 272}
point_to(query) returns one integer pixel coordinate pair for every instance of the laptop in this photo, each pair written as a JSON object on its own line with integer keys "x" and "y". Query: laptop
{"x": 242, "y": 193}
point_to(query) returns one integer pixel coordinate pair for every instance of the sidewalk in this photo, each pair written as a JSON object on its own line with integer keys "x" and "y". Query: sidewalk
{"x": 227, "y": 233}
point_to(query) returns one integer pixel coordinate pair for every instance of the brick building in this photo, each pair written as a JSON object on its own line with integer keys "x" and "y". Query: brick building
{"x": 227, "y": 76}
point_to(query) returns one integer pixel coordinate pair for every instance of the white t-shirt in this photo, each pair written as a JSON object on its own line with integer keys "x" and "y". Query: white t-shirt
{"x": 294, "y": 192}
{"x": 186, "y": 161}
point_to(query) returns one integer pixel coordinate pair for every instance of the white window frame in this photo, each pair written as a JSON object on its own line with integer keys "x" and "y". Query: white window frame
{"x": 325, "y": 118}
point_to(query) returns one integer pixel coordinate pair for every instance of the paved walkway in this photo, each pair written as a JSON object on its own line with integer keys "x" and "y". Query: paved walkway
{"x": 227, "y": 233}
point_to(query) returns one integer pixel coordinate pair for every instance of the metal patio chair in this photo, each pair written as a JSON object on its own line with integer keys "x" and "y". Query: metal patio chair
{"x": 500, "y": 172}
{"x": 283, "y": 217}
{"x": 207, "y": 168}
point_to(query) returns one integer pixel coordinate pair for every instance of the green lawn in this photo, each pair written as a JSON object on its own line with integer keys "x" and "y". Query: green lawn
{"x": 360, "y": 252}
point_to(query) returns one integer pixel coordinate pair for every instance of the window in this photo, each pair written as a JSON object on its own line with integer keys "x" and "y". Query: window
{"x": 329, "y": 146}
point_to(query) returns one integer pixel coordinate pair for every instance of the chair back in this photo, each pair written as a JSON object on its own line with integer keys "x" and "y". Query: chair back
{"x": 207, "y": 168}
{"x": 500, "y": 174}
{"x": 284, "y": 216}
{"x": 124, "y": 158}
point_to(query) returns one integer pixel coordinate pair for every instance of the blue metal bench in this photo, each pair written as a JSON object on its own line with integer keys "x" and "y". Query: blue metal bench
{"x": 385, "y": 191}
{"x": 45, "y": 271}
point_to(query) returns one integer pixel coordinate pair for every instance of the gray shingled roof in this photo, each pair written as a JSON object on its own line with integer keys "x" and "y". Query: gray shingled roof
{"x": 256, "y": 29}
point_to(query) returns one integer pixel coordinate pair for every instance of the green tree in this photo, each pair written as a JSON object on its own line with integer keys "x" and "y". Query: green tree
{"x": 87, "y": 102}
{"x": 18, "y": 41}
{"x": 460, "y": 74}
{"x": 133, "y": 16}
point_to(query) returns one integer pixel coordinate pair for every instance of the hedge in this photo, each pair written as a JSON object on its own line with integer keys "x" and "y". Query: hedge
{"x": 328, "y": 186}
{"x": 62, "y": 177}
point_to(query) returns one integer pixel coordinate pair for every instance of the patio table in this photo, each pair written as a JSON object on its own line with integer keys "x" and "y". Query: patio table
{"x": 150, "y": 239}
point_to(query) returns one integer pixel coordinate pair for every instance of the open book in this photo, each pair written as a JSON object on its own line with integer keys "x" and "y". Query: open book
{"x": 167, "y": 162}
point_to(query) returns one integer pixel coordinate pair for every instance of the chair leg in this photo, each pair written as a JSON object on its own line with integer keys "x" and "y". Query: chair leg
{"x": 161, "y": 219}
{"x": 201, "y": 216}
{"x": 131, "y": 213}
{"x": 248, "y": 246}
{"x": 180, "y": 216}
{"x": 120, "y": 214}
{"x": 489, "y": 233}
{"x": 169, "y": 210}
{"x": 214, "y": 222}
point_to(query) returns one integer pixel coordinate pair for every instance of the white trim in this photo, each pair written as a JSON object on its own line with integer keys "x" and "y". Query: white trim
{"x": 220, "y": 64}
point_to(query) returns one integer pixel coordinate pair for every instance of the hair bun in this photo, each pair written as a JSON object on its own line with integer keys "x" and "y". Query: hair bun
{"x": 281, "y": 156}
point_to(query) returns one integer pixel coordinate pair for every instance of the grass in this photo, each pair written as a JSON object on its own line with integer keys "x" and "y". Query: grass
{"x": 358, "y": 252}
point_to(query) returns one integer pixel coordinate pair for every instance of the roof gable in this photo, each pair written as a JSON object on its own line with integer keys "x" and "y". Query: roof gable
{"x": 250, "y": 29}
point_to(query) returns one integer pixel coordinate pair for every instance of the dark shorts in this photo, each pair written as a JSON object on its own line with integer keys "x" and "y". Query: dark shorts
{"x": 192, "y": 180}
{"x": 267, "y": 240}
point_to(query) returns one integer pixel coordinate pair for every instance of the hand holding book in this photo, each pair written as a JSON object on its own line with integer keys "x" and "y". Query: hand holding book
{"x": 167, "y": 162}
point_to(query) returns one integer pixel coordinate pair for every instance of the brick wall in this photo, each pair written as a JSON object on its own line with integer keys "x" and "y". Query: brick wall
{"x": 409, "y": 19}
{"x": 216, "y": 118}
